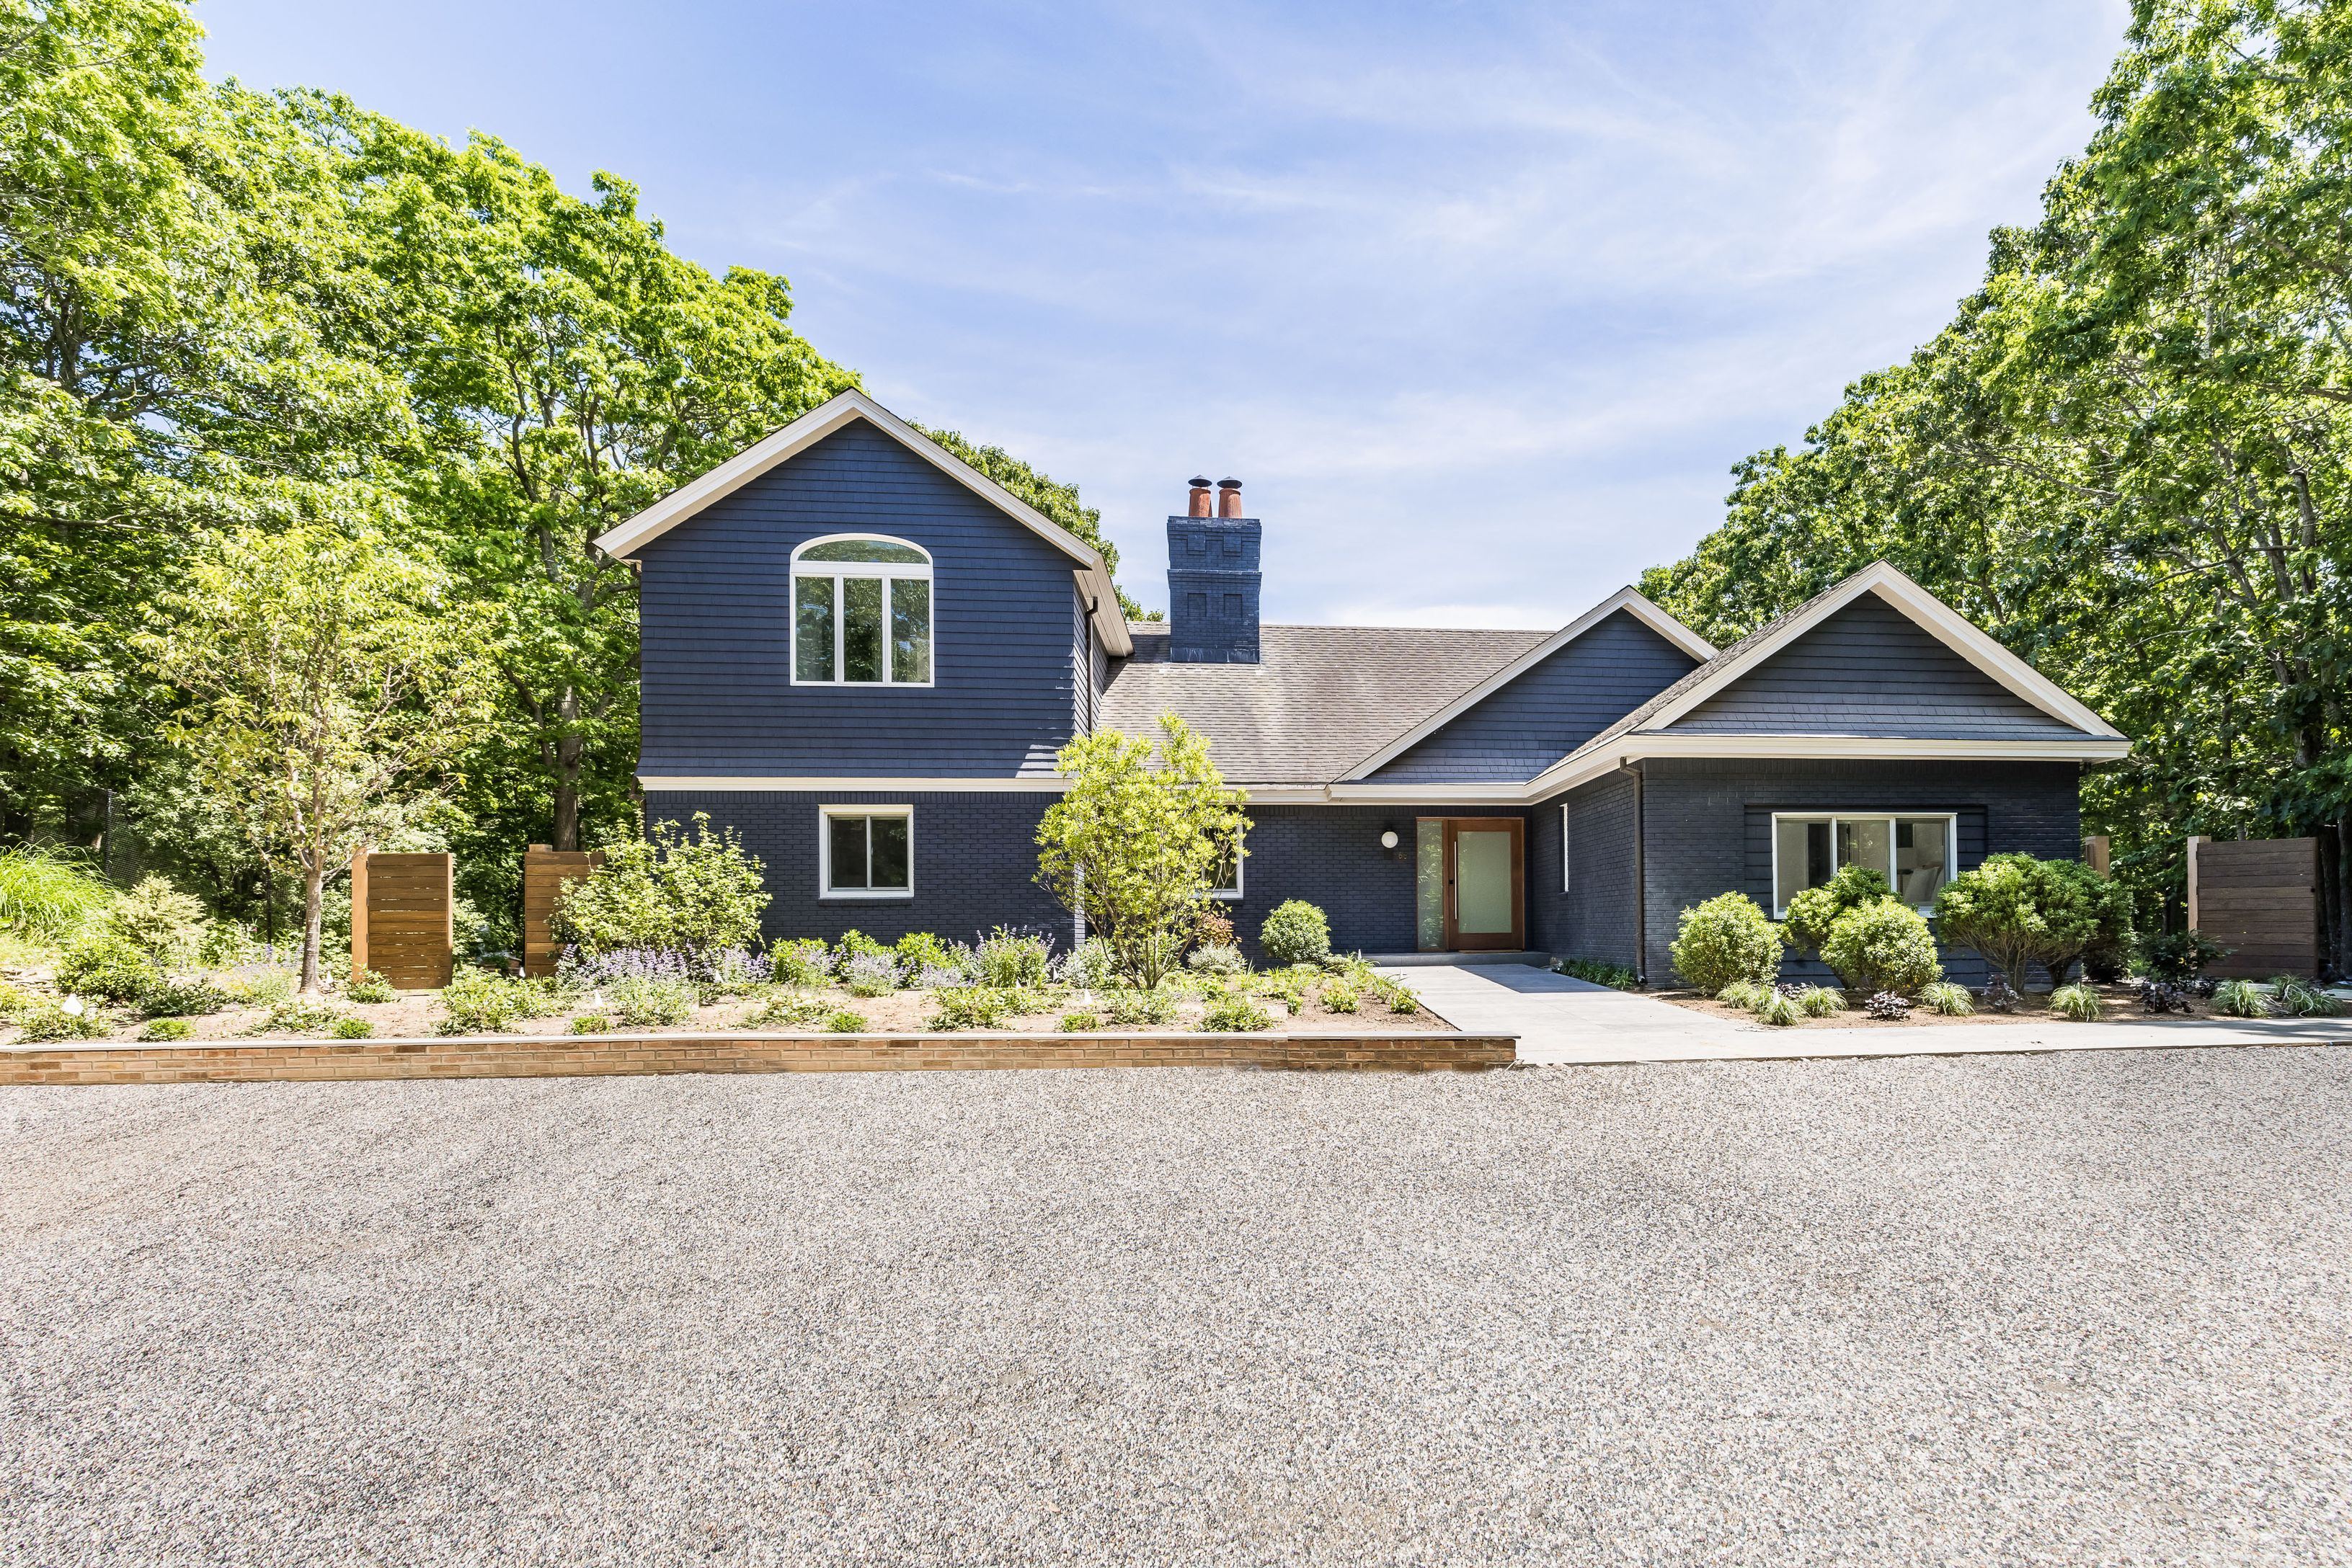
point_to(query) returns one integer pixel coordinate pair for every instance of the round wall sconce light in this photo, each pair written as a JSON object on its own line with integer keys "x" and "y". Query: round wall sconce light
{"x": 1389, "y": 839}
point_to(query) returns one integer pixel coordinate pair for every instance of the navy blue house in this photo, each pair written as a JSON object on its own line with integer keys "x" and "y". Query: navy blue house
{"x": 863, "y": 654}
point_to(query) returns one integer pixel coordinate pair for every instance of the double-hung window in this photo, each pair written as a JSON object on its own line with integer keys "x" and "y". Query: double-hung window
{"x": 861, "y": 613}
{"x": 1225, "y": 882}
{"x": 1914, "y": 853}
{"x": 865, "y": 852}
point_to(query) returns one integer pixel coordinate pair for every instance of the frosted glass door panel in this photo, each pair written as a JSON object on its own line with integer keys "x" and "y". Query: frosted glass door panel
{"x": 1482, "y": 882}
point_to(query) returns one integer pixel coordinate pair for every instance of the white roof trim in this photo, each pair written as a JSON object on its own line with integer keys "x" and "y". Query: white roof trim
{"x": 1094, "y": 576}
{"x": 1939, "y": 620}
{"x": 1586, "y": 766}
{"x": 1628, "y": 599}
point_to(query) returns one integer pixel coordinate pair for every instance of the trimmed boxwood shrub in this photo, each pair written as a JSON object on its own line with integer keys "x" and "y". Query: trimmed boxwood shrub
{"x": 1296, "y": 933}
{"x": 1723, "y": 940}
{"x": 1814, "y": 913}
{"x": 1883, "y": 946}
{"x": 2017, "y": 911}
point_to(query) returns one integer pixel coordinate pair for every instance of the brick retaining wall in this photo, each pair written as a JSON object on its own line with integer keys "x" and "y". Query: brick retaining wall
{"x": 565, "y": 1056}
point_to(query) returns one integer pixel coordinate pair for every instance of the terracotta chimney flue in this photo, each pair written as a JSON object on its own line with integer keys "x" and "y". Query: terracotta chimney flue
{"x": 1229, "y": 498}
{"x": 1199, "y": 505}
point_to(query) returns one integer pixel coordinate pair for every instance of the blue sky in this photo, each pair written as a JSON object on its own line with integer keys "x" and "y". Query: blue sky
{"x": 1480, "y": 301}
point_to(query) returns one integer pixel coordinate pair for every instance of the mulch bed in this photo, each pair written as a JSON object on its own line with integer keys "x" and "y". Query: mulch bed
{"x": 2121, "y": 1007}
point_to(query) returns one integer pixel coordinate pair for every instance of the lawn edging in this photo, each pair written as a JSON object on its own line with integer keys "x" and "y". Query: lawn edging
{"x": 612, "y": 1055}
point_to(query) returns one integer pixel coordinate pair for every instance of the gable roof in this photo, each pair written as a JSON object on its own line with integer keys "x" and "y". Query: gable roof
{"x": 848, "y": 408}
{"x": 1318, "y": 698}
{"x": 1627, "y": 599}
{"x": 2090, "y": 736}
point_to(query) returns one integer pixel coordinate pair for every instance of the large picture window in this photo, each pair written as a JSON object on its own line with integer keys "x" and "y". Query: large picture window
{"x": 865, "y": 852}
{"x": 1915, "y": 854}
{"x": 861, "y": 613}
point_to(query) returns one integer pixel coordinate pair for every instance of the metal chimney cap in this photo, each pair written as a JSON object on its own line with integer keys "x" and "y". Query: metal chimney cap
{"x": 1224, "y": 484}
{"x": 1200, "y": 482}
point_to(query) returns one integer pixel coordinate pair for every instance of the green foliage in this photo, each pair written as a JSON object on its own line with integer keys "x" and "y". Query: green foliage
{"x": 786, "y": 1011}
{"x": 300, "y": 1014}
{"x": 592, "y": 1023}
{"x": 1339, "y": 997}
{"x": 367, "y": 986}
{"x": 1058, "y": 501}
{"x": 803, "y": 962}
{"x": 1088, "y": 966}
{"x": 1295, "y": 931}
{"x": 1006, "y": 957}
{"x": 2240, "y": 999}
{"x": 106, "y": 966}
{"x": 46, "y": 895}
{"x": 160, "y": 921}
{"x": 1947, "y": 997}
{"x": 1234, "y": 1014}
{"x": 1079, "y": 1023}
{"x": 1778, "y": 1009}
{"x": 1814, "y": 913}
{"x": 2079, "y": 1003}
{"x": 918, "y": 950}
{"x": 350, "y": 1027}
{"x": 844, "y": 1021}
{"x": 183, "y": 996}
{"x": 1400, "y": 998}
{"x": 2291, "y": 996}
{"x": 1727, "y": 938}
{"x": 15, "y": 1001}
{"x": 1133, "y": 843}
{"x": 976, "y": 1007}
{"x": 651, "y": 1004}
{"x": 160, "y": 1030}
{"x": 1600, "y": 972}
{"x": 1820, "y": 1002}
{"x": 1745, "y": 994}
{"x": 478, "y": 1002}
{"x": 259, "y": 986}
{"x": 1225, "y": 960}
{"x": 698, "y": 895}
{"x": 1883, "y": 946}
{"x": 2177, "y": 957}
{"x": 1134, "y": 1008}
{"x": 2017, "y": 911}
{"x": 62, "y": 1020}
{"x": 855, "y": 944}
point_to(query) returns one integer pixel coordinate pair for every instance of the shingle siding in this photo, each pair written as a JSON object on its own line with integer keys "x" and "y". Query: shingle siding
{"x": 1709, "y": 825}
{"x": 1547, "y": 711}
{"x": 1869, "y": 669}
{"x": 716, "y": 621}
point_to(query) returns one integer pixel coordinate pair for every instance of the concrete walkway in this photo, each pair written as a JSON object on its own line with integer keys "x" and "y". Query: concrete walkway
{"x": 1561, "y": 1020}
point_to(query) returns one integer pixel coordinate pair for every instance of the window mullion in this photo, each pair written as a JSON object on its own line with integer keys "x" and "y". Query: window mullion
{"x": 840, "y": 636}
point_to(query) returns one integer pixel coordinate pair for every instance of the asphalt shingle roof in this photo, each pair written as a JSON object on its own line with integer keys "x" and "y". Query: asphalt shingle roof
{"x": 1321, "y": 700}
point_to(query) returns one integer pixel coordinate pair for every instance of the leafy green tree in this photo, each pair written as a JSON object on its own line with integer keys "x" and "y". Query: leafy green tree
{"x": 1135, "y": 841}
{"x": 700, "y": 895}
{"x": 2018, "y": 911}
{"x": 325, "y": 686}
{"x": 1056, "y": 500}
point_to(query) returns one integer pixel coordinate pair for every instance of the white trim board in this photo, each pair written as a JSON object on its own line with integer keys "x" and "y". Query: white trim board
{"x": 816, "y": 784}
{"x": 1094, "y": 577}
{"x": 1628, "y": 599}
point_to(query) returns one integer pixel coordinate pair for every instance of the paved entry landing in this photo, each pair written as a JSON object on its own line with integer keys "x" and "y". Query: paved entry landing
{"x": 1563, "y": 1020}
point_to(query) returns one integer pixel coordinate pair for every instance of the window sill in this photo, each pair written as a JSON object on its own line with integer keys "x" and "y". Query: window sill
{"x": 864, "y": 895}
{"x": 1222, "y": 897}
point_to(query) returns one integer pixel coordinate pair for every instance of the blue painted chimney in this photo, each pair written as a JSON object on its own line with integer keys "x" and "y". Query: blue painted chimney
{"x": 1213, "y": 580}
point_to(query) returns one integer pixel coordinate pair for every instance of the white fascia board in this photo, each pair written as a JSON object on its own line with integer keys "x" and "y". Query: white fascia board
{"x": 1932, "y": 615}
{"x": 1628, "y": 599}
{"x": 1641, "y": 745}
{"x": 1093, "y": 574}
{"x": 817, "y": 783}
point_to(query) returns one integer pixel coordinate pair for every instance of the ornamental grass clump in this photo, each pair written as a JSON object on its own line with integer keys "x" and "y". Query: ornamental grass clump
{"x": 47, "y": 894}
{"x": 1725, "y": 941}
{"x": 1947, "y": 998}
{"x": 1297, "y": 932}
{"x": 2079, "y": 1003}
{"x": 1599, "y": 972}
{"x": 1883, "y": 946}
{"x": 1778, "y": 1009}
{"x": 1745, "y": 994}
{"x": 1820, "y": 1002}
{"x": 2296, "y": 998}
{"x": 2240, "y": 999}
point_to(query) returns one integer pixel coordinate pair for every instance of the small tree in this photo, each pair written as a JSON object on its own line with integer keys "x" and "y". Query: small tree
{"x": 660, "y": 889}
{"x": 327, "y": 682}
{"x": 2016, "y": 911}
{"x": 1134, "y": 842}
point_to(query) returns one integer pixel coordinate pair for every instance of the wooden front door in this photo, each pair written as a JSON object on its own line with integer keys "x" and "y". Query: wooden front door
{"x": 1485, "y": 884}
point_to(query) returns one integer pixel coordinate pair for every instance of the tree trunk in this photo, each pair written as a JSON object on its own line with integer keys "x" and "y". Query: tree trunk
{"x": 570, "y": 754}
{"x": 314, "y": 881}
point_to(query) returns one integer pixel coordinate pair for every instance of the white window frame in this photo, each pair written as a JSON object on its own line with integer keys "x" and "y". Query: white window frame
{"x": 826, "y": 891}
{"x": 1950, "y": 819}
{"x": 889, "y": 572}
{"x": 1233, "y": 895}
{"x": 1568, "y": 884}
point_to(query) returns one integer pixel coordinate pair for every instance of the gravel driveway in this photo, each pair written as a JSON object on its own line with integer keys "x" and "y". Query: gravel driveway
{"x": 2079, "y": 1309}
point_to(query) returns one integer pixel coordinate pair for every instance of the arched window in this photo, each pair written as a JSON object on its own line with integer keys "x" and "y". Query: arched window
{"x": 861, "y": 613}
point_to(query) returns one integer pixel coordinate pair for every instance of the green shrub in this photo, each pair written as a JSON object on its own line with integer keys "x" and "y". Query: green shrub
{"x": 1132, "y": 1009}
{"x": 1399, "y": 997}
{"x": 2018, "y": 911}
{"x": 1600, "y": 972}
{"x": 651, "y": 1004}
{"x": 2240, "y": 999}
{"x": 478, "y": 1002}
{"x": 367, "y": 986}
{"x": 1295, "y": 932}
{"x": 2095, "y": 920}
{"x": 71, "y": 1020}
{"x": 1339, "y": 997}
{"x": 1217, "y": 961}
{"x": 160, "y": 921}
{"x": 298, "y": 1015}
{"x": 2077, "y": 1002}
{"x": 16, "y": 999}
{"x": 592, "y": 1023}
{"x": 2177, "y": 957}
{"x": 1079, "y": 1023}
{"x": 805, "y": 961}
{"x": 1289, "y": 993}
{"x": 1883, "y": 946}
{"x": 1723, "y": 940}
{"x": 160, "y": 1029}
{"x": 1236, "y": 1014}
{"x": 1814, "y": 913}
{"x": 188, "y": 995}
{"x": 46, "y": 894}
{"x": 1820, "y": 1002}
{"x": 870, "y": 974}
{"x": 919, "y": 950}
{"x": 349, "y": 1028}
{"x": 105, "y": 966}
{"x": 842, "y": 1020}
{"x": 1745, "y": 994}
{"x": 1089, "y": 967}
{"x": 2294, "y": 997}
{"x": 665, "y": 890}
{"x": 1777, "y": 1009}
{"x": 226, "y": 945}
{"x": 260, "y": 987}
{"x": 1948, "y": 998}
{"x": 973, "y": 1006}
{"x": 786, "y": 1012}
{"x": 1008, "y": 958}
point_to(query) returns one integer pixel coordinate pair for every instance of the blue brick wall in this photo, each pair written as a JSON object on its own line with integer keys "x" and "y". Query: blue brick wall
{"x": 1213, "y": 583}
{"x": 1592, "y": 915}
{"x": 715, "y": 624}
{"x": 1709, "y": 825}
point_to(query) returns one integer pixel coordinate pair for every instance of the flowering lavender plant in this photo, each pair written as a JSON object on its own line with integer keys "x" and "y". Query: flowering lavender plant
{"x": 871, "y": 974}
{"x": 589, "y": 971}
{"x": 731, "y": 970}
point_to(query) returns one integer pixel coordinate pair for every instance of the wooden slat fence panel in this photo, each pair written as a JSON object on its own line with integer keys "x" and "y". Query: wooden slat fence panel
{"x": 2259, "y": 898}
{"x": 544, "y": 872}
{"x": 402, "y": 918}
